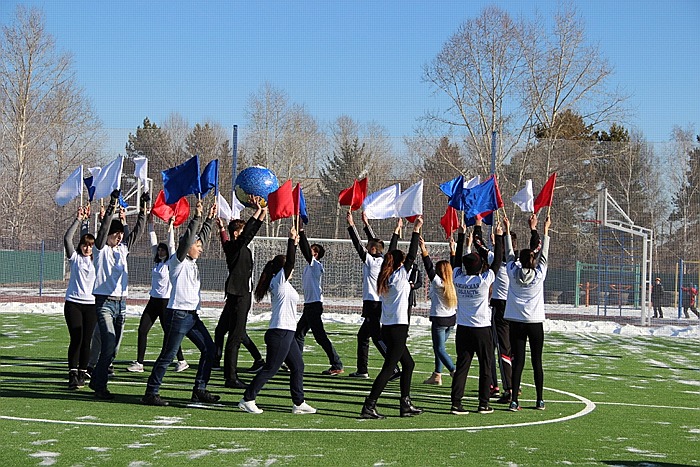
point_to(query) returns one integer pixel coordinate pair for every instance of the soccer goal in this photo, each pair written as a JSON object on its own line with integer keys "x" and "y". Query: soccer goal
{"x": 619, "y": 247}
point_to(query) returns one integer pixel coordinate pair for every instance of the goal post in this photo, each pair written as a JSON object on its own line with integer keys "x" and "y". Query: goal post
{"x": 612, "y": 216}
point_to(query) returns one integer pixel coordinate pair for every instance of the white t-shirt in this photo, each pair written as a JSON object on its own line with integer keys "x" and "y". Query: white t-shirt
{"x": 500, "y": 285}
{"x": 284, "y": 299}
{"x": 184, "y": 277}
{"x": 111, "y": 270}
{"x": 395, "y": 300}
{"x": 160, "y": 280}
{"x": 525, "y": 302}
{"x": 438, "y": 306}
{"x": 370, "y": 272}
{"x": 82, "y": 279}
{"x": 311, "y": 282}
{"x": 473, "y": 298}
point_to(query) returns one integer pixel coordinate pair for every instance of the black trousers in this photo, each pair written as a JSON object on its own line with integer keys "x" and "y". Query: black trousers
{"x": 502, "y": 328}
{"x": 81, "y": 320}
{"x": 220, "y": 335}
{"x": 394, "y": 336}
{"x": 281, "y": 347}
{"x": 469, "y": 342}
{"x": 370, "y": 329}
{"x": 311, "y": 320}
{"x": 520, "y": 333}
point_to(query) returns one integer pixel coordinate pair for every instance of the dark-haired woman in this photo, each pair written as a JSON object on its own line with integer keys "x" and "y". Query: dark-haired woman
{"x": 79, "y": 309}
{"x": 159, "y": 295}
{"x": 279, "y": 338}
{"x": 525, "y": 311}
{"x": 394, "y": 288}
{"x": 472, "y": 280}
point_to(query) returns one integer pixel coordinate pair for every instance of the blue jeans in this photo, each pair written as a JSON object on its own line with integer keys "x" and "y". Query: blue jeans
{"x": 176, "y": 325}
{"x": 110, "y": 322}
{"x": 440, "y": 335}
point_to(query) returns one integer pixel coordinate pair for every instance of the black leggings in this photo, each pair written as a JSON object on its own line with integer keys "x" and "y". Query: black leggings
{"x": 81, "y": 320}
{"x": 394, "y": 336}
{"x": 154, "y": 310}
{"x": 519, "y": 334}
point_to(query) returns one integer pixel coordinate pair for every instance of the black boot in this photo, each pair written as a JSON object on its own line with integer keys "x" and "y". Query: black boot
{"x": 73, "y": 380}
{"x": 369, "y": 410}
{"x": 408, "y": 409}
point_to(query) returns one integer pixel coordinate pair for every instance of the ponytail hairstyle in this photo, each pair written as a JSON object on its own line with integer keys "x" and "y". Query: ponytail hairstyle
{"x": 271, "y": 268}
{"x": 392, "y": 261}
{"x": 444, "y": 270}
{"x": 86, "y": 239}
{"x": 527, "y": 258}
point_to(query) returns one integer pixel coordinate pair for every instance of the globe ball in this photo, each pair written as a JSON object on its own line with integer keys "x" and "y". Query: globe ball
{"x": 255, "y": 181}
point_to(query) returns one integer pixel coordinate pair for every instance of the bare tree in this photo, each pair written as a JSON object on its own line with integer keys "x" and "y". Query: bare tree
{"x": 44, "y": 118}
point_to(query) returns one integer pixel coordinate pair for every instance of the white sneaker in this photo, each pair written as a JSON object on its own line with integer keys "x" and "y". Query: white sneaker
{"x": 181, "y": 366}
{"x": 303, "y": 408}
{"x": 249, "y": 406}
{"x": 135, "y": 367}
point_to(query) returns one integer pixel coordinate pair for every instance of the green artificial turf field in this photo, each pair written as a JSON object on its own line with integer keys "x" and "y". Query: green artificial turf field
{"x": 611, "y": 400}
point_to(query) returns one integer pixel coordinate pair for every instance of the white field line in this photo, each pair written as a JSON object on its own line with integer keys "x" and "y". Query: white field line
{"x": 589, "y": 406}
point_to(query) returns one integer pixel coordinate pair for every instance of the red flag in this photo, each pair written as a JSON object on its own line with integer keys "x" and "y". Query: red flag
{"x": 355, "y": 195}
{"x": 499, "y": 200}
{"x": 281, "y": 202}
{"x": 449, "y": 221}
{"x": 181, "y": 209}
{"x": 547, "y": 193}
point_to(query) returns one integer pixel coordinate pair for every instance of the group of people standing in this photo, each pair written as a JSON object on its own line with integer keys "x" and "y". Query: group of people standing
{"x": 460, "y": 292}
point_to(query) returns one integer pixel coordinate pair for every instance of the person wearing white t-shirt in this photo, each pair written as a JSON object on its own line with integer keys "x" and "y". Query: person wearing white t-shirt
{"x": 472, "y": 282}
{"x": 313, "y": 304}
{"x": 181, "y": 317}
{"x": 443, "y": 309}
{"x": 394, "y": 288}
{"x": 159, "y": 296}
{"x": 79, "y": 309}
{"x": 279, "y": 338}
{"x": 525, "y": 311}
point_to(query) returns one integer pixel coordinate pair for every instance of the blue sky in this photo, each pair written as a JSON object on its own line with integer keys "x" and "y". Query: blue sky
{"x": 361, "y": 59}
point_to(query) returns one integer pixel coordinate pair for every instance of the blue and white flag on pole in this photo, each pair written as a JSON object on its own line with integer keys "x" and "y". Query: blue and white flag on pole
{"x": 71, "y": 188}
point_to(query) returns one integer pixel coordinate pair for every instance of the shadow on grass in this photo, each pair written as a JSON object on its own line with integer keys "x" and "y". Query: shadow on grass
{"x": 644, "y": 464}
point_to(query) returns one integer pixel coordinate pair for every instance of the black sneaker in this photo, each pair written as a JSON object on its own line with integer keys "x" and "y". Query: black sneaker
{"x": 153, "y": 399}
{"x": 202, "y": 395}
{"x": 485, "y": 409}
{"x": 110, "y": 370}
{"x": 395, "y": 376}
{"x": 104, "y": 395}
{"x": 73, "y": 380}
{"x": 357, "y": 374}
{"x": 257, "y": 366}
{"x": 504, "y": 399}
{"x": 514, "y": 407}
{"x": 284, "y": 367}
{"x": 540, "y": 405}
{"x": 459, "y": 410}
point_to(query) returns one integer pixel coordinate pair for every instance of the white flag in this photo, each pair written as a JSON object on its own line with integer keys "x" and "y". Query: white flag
{"x": 141, "y": 171}
{"x": 223, "y": 209}
{"x": 472, "y": 183}
{"x": 71, "y": 188}
{"x": 108, "y": 179}
{"x": 382, "y": 204}
{"x": 410, "y": 202}
{"x": 236, "y": 208}
{"x": 524, "y": 198}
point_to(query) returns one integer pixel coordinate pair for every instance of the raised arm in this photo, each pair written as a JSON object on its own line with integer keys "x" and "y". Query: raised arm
{"x": 542, "y": 261}
{"x": 413, "y": 247}
{"x": 205, "y": 230}
{"x": 457, "y": 258}
{"x": 510, "y": 254}
{"x": 427, "y": 262}
{"x": 68, "y": 237}
{"x": 394, "y": 242}
{"x": 101, "y": 238}
{"x": 190, "y": 235}
{"x": 368, "y": 228}
{"x": 171, "y": 235}
{"x": 535, "y": 242}
{"x": 152, "y": 237}
{"x": 134, "y": 234}
{"x": 355, "y": 237}
{"x": 291, "y": 252}
{"x": 497, "y": 249}
{"x": 305, "y": 247}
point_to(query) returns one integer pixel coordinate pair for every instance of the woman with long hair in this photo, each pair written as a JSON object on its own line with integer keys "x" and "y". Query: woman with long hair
{"x": 443, "y": 310}
{"x": 394, "y": 288}
{"x": 279, "y": 338}
{"x": 79, "y": 309}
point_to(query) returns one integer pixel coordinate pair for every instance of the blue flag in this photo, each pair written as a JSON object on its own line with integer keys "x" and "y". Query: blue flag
{"x": 210, "y": 177}
{"x": 182, "y": 180}
{"x": 457, "y": 194}
{"x": 90, "y": 188}
{"x": 483, "y": 197}
{"x": 122, "y": 203}
{"x": 448, "y": 187}
{"x": 300, "y": 204}
{"x": 488, "y": 220}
